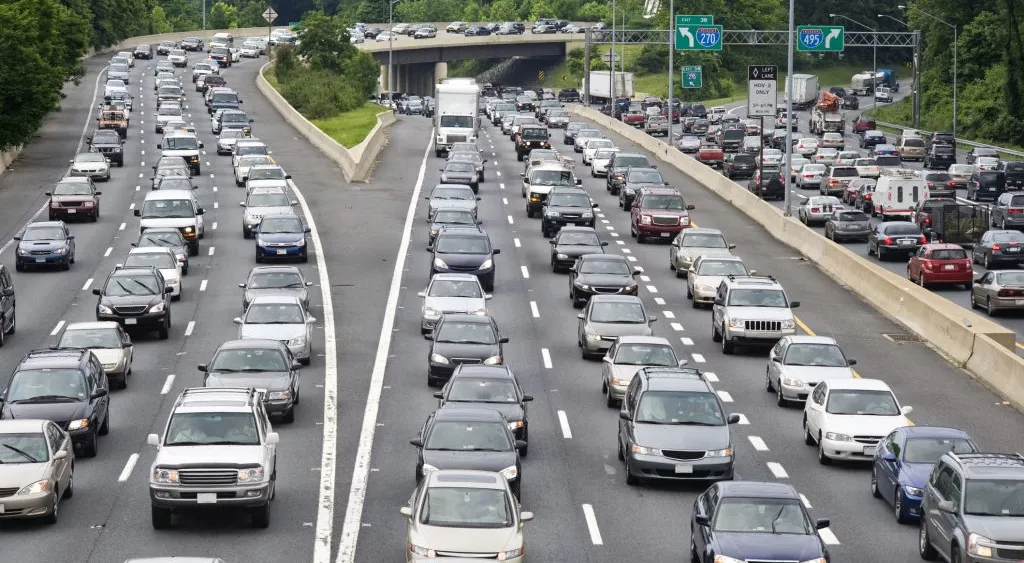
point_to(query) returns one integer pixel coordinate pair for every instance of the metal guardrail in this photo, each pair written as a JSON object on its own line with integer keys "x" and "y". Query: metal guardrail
{"x": 959, "y": 141}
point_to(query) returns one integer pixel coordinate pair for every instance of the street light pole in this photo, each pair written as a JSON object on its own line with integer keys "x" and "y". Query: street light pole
{"x": 671, "y": 64}
{"x": 611, "y": 62}
{"x": 953, "y": 26}
{"x": 391, "y": 38}
{"x": 204, "y": 19}
{"x": 874, "y": 49}
{"x": 787, "y": 173}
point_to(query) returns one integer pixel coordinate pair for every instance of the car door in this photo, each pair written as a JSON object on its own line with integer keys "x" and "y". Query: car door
{"x": 200, "y": 223}
{"x": 1000, "y": 207}
{"x": 673, "y": 251}
{"x": 983, "y": 289}
{"x": 915, "y": 264}
{"x": 981, "y": 248}
{"x": 716, "y": 309}
{"x": 775, "y": 357}
{"x": 98, "y": 380}
{"x": 629, "y": 403}
{"x": 608, "y": 362}
{"x": 7, "y": 300}
{"x": 944, "y": 522}
{"x": 126, "y": 343}
{"x": 887, "y": 472}
{"x": 701, "y": 534}
{"x": 58, "y": 442}
{"x": 815, "y": 410}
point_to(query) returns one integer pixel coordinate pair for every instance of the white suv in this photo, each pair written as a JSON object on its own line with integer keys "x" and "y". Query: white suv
{"x": 751, "y": 310}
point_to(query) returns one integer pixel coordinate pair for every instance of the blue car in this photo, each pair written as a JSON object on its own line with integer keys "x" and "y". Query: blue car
{"x": 753, "y": 521}
{"x": 904, "y": 460}
{"x": 281, "y": 237}
{"x": 45, "y": 243}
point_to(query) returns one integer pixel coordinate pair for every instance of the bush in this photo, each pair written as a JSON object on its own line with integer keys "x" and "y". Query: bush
{"x": 318, "y": 94}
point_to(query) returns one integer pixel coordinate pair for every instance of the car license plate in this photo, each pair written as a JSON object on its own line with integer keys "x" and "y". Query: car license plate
{"x": 72, "y": 211}
{"x": 683, "y": 468}
{"x": 666, "y": 235}
{"x": 282, "y": 251}
{"x": 906, "y": 242}
{"x": 206, "y": 498}
{"x": 131, "y": 321}
{"x": 869, "y": 450}
{"x": 1013, "y": 249}
{"x": 40, "y": 260}
{"x": 1019, "y": 302}
{"x": 949, "y": 267}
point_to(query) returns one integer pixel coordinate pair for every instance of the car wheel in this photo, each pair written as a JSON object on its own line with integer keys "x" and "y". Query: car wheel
{"x": 768, "y": 387}
{"x": 621, "y": 454}
{"x": 727, "y": 346}
{"x": 822, "y": 458}
{"x": 989, "y": 308}
{"x": 105, "y": 427}
{"x": 609, "y": 400}
{"x": 988, "y": 261}
{"x": 69, "y": 491}
{"x": 161, "y": 517}
{"x": 897, "y": 506}
{"x": 54, "y": 514}
{"x": 920, "y": 279}
{"x": 779, "y": 399}
{"x": 164, "y": 331}
{"x": 631, "y": 480}
{"x": 924, "y": 543}
{"x": 808, "y": 439}
{"x": 715, "y": 337}
{"x": 91, "y": 448}
{"x": 874, "y": 484}
{"x": 14, "y": 324}
{"x": 288, "y": 417}
{"x": 66, "y": 265}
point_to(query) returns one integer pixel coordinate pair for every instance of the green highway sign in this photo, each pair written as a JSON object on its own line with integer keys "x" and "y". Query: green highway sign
{"x": 820, "y": 38}
{"x": 693, "y": 76}
{"x": 694, "y": 20}
{"x": 698, "y": 37}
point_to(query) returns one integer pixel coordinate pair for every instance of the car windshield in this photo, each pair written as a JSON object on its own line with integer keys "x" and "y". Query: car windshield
{"x": 457, "y": 507}
{"x": 721, "y": 268}
{"x": 212, "y": 428}
{"x": 268, "y": 200}
{"x": 452, "y": 244}
{"x": 580, "y": 200}
{"x": 159, "y": 260}
{"x": 166, "y": 240}
{"x": 466, "y": 333}
{"x": 177, "y": 182}
{"x": 232, "y": 134}
{"x": 482, "y": 390}
{"x": 168, "y": 209}
{"x": 862, "y": 402}
{"x": 125, "y": 285}
{"x": 613, "y": 267}
{"x": 460, "y": 121}
{"x": 645, "y": 355}
{"x": 181, "y": 144}
{"x": 275, "y": 280}
{"x": 645, "y": 177}
{"x": 248, "y": 360}
{"x": 23, "y": 448}
{"x": 745, "y": 297}
{"x": 626, "y": 161}
{"x": 762, "y": 516}
{"x": 122, "y": 68}
{"x": 169, "y": 91}
{"x": 679, "y": 407}
{"x": 552, "y": 178}
{"x": 578, "y": 238}
{"x": 169, "y": 110}
{"x": 224, "y": 97}
{"x": 454, "y": 217}
{"x": 853, "y": 216}
{"x": 535, "y": 133}
{"x": 704, "y": 240}
{"x": 814, "y": 168}
{"x": 949, "y": 254}
{"x": 617, "y": 313}
{"x": 468, "y": 436}
{"x": 588, "y": 134}
{"x": 46, "y": 386}
{"x": 234, "y": 118}
{"x": 666, "y": 202}
{"x": 90, "y": 157}
{"x": 266, "y": 174}
{"x": 456, "y": 288}
{"x": 937, "y": 177}
{"x": 90, "y": 338}
{"x": 72, "y": 188}
{"x": 274, "y": 314}
{"x": 43, "y": 233}
{"x": 816, "y": 355}
{"x": 452, "y": 193}
{"x": 247, "y": 149}
{"x": 600, "y": 144}
{"x": 996, "y": 497}
{"x": 929, "y": 450}
{"x": 463, "y": 167}
{"x": 280, "y": 225}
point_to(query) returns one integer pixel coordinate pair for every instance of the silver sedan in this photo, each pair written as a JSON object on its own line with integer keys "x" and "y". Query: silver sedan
{"x": 692, "y": 243}
{"x": 997, "y": 291}
{"x": 282, "y": 318}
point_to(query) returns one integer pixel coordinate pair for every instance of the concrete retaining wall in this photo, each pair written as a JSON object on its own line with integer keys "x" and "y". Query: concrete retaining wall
{"x": 356, "y": 163}
{"x": 7, "y": 157}
{"x": 969, "y": 340}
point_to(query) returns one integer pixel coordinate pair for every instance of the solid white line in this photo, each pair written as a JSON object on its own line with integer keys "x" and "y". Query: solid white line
{"x": 668, "y": 314}
{"x": 676, "y": 327}
{"x": 85, "y": 286}
{"x": 167, "y": 385}
{"x": 563, "y": 422}
{"x": 511, "y": 221}
{"x": 595, "y": 533}
{"x": 686, "y": 341}
{"x": 652, "y": 289}
{"x": 210, "y": 253}
{"x": 128, "y": 466}
{"x": 122, "y": 226}
{"x": 699, "y": 358}
{"x": 545, "y": 355}
{"x": 534, "y": 310}
{"x": 828, "y": 536}
{"x": 807, "y": 503}
{"x": 725, "y": 396}
{"x": 189, "y": 328}
{"x": 504, "y": 200}
{"x": 777, "y": 470}
{"x": 516, "y": 242}
{"x": 659, "y": 300}
{"x": 744, "y": 421}
{"x": 526, "y": 273}
{"x": 202, "y": 285}
{"x": 758, "y": 443}
{"x": 361, "y": 470}
{"x": 711, "y": 376}
{"x": 109, "y": 250}
{"x": 56, "y": 329}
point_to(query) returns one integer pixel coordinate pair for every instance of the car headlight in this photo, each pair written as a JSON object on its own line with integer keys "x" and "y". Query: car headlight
{"x": 644, "y": 450}
{"x": 588, "y": 215}
{"x": 297, "y": 341}
{"x": 35, "y": 488}
{"x": 487, "y": 265}
{"x": 422, "y": 551}
{"x": 974, "y": 546}
{"x": 516, "y": 425}
{"x": 427, "y": 468}
{"x": 23, "y": 252}
{"x": 117, "y": 149}
{"x": 837, "y": 437}
{"x": 510, "y": 554}
{"x": 788, "y": 324}
{"x": 792, "y": 382}
{"x": 166, "y": 476}
{"x": 187, "y": 230}
{"x": 727, "y": 452}
{"x": 78, "y": 424}
{"x": 438, "y": 359}
{"x": 433, "y": 232}
{"x": 105, "y": 310}
{"x": 444, "y": 177}
{"x": 251, "y": 475}
{"x": 582, "y": 286}
{"x": 480, "y": 312}
{"x": 61, "y": 251}
{"x": 279, "y": 395}
{"x": 630, "y": 287}
{"x": 438, "y": 263}
{"x": 735, "y": 323}
{"x": 158, "y": 308}
{"x": 180, "y": 257}
{"x": 816, "y": 560}
{"x": 685, "y": 221}
{"x": 493, "y": 361}
{"x": 591, "y": 335}
{"x": 431, "y": 313}
{"x": 510, "y": 472}
{"x": 552, "y": 215}
{"x": 912, "y": 491}
{"x": 724, "y": 559}
{"x": 562, "y": 256}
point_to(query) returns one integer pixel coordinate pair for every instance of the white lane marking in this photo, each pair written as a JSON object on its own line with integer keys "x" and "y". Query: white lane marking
{"x": 640, "y": 268}
{"x": 699, "y": 358}
{"x": 645, "y": 278}
{"x": 211, "y": 251}
{"x": 511, "y": 221}
{"x": 534, "y": 310}
{"x": 563, "y": 422}
{"x": 516, "y": 242}
{"x": 497, "y": 173}
{"x": 605, "y": 221}
{"x": 202, "y": 285}
{"x": 828, "y": 536}
{"x": 631, "y": 258}
{"x": 545, "y": 355}
{"x": 614, "y": 234}
{"x": 777, "y": 470}
{"x": 652, "y": 289}
{"x": 215, "y": 188}
{"x": 109, "y": 250}
{"x": 676, "y": 327}
{"x": 659, "y": 300}
{"x": 216, "y": 204}
{"x": 744, "y": 421}
{"x": 668, "y": 314}
{"x": 122, "y": 226}
{"x": 601, "y": 215}
{"x": 189, "y": 328}
{"x": 626, "y": 250}
{"x": 526, "y": 273}
{"x": 361, "y": 470}
{"x": 167, "y": 385}
{"x": 137, "y": 188}
{"x": 610, "y": 227}
{"x": 711, "y": 376}
{"x": 595, "y": 532}
{"x": 803, "y": 499}
{"x": 724, "y": 396}
{"x": 620, "y": 242}
{"x": 502, "y": 186}
{"x": 758, "y": 443}
{"x": 686, "y": 341}
{"x": 504, "y": 200}
{"x": 56, "y": 329}
{"x": 131, "y": 206}
{"x": 86, "y": 285}
{"x": 128, "y": 466}
{"x": 214, "y": 226}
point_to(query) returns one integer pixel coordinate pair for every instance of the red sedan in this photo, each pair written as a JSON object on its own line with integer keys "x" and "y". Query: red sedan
{"x": 941, "y": 263}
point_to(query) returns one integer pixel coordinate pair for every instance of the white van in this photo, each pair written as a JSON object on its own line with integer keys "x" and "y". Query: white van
{"x": 226, "y": 39}
{"x": 174, "y": 208}
{"x": 897, "y": 193}
{"x": 716, "y": 114}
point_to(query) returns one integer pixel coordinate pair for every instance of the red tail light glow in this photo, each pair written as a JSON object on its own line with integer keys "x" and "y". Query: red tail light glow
{"x": 815, "y": 210}
{"x": 996, "y": 247}
{"x": 1010, "y": 292}
{"x": 867, "y": 197}
{"x": 927, "y": 219}
{"x": 923, "y": 240}
{"x": 888, "y": 241}
{"x": 1015, "y": 211}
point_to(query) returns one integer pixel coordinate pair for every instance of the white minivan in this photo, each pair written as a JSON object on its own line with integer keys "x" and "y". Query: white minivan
{"x": 897, "y": 193}
{"x": 174, "y": 208}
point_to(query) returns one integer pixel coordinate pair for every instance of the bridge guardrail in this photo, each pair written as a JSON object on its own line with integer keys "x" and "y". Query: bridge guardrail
{"x": 958, "y": 140}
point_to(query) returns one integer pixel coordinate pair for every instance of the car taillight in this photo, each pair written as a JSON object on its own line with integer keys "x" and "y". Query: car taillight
{"x": 1015, "y": 211}
{"x": 815, "y": 210}
{"x": 967, "y": 264}
{"x": 808, "y": 175}
{"x": 951, "y": 184}
{"x": 1010, "y": 292}
{"x": 867, "y": 196}
{"x": 996, "y": 247}
{"x": 930, "y": 185}
{"x": 832, "y": 181}
{"x": 927, "y": 219}
{"x": 927, "y": 265}
{"x": 923, "y": 240}
{"x": 888, "y": 241}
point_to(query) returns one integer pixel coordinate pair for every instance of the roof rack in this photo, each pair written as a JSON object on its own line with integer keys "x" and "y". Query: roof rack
{"x": 902, "y": 173}
{"x": 997, "y": 458}
{"x": 669, "y": 370}
{"x": 734, "y": 277}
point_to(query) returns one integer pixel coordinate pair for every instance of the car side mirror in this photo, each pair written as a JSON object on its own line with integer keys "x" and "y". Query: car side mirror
{"x": 581, "y": 316}
{"x": 439, "y": 394}
{"x": 889, "y": 456}
{"x": 732, "y": 246}
{"x": 98, "y": 394}
{"x": 503, "y": 340}
{"x": 97, "y": 291}
{"x": 428, "y": 336}
{"x": 496, "y": 251}
{"x": 273, "y": 439}
{"x": 407, "y": 511}
{"x": 652, "y": 318}
{"x": 200, "y": 211}
{"x": 637, "y": 271}
{"x": 48, "y": 193}
{"x": 977, "y": 279}
{"x": 552, "y": 242}
{"x": 520, "y": 444}
{"x": 296, "y": 364}
{"x": 159, "y": 145}
{"x": 907, "y": 409}
{"x": 851, "y": 362}
{"x": 98, "y": 193}
{"x": 8, "y": 292}
{"x": 418, "y": 442}
{"x": 579, "y": 181}
{"x": 701, "y": 520}
{"x": 624, "y": 415}
{"x": 488, "y": 296}
{"x": 822, "y": 523}
{"x": 794, "y": 304}
{"x": 421, "y": 294}
{"x": 719, "y": 301}
{"x": 237, "y": 320}
{"x": 153, "y": 440}
{"x": 691, "y": 207}
{"x": 62, "y": 454}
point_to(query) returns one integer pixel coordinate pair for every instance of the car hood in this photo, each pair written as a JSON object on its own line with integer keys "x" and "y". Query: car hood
{"x": 105, "y": 145}
{"x": 281, "y": 237}
{"x": 682, "y": 437}
{"x": 443, "y": 538}
{"x": 464, "y": 260}
{"x": 479, "y": 461}
{"x": 108, "y": 356}
{"x": 57, "y": 412}
{"x": 625, "y": 372}
{"x": 637, "y": 186}
{"x": 271, "y": 332}
{"x": 694, "y": 252}
{"x": 762, "y": 313}
{"x": 862, "y": 425}
{"x": 461, "y": 350}
{"x": 996, "y": 528}
{"x": 131, "y": 300}
{"x": 42, "y": 245}
{"x": 300, "y": 293}
{"x": 619, "y": 329}
{"x": 577, "y": 250}
{"x": 270, "y": 380}
{"x": 455, "y": 304}
{"x": 511, "y": 411}
{"x": 198, "y": 456}
{"x": 605, "y": 280}
{"x": 915, "y": 474}
{"x": 771, "y": 547}
{"x": 17, "y": 475}
{"x": 176, "y": 222}
{"x": 712, "y": 281}
{"x": 816, "y": 374}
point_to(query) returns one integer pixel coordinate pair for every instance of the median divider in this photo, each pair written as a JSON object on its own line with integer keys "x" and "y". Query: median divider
{"x": 966, "y": 338}
{"x": 7, "y": 157}
{"x": 356, "y": 163}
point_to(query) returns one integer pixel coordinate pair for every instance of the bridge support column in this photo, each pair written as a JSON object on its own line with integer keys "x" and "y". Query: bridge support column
{"x": 440, "y": 71}
{"x": 405, "y": 77}
{"x": 384, "y": 79}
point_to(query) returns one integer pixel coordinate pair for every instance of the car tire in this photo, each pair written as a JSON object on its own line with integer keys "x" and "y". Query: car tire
{"x": 715, "y": 337}
{"x": 66, "y": 265}
{"x": 822, "y": 458}
{"x": 897, "y": 507}
{"x": 609, "y": 401}
{"x": 164, "y": 331}
{"x": 161, "y": 517}
{"x": 93, "y": 447}
{"x": 105, "y": 427}
{"x": 728, "y": 348}
{"x": 989, "y": 309}
{"x": 54, "y": 514}
{"x": 631, "y": 480}
{"x": 924, "y": 545}
{"x": 69, "y": 491}
{"x": 14, "y": 324}
{"x": 288, "y": 417}
{"x": 874, "y": 484}
{"x": 808, "y": 439}
{"x": 779, "y": 399}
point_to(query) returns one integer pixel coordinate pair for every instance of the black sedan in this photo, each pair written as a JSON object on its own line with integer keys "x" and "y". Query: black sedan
{"x": 489, "y": 387}
{"x": 463, "y": 173}
{"x": 572, "y": 242}
{"x": 848, "y": 224}
{"x": 462, "y": 339}
{"x": 453, "y": 217}
{"x": 261, "y": 364}
{"x": 136, "y": 298}
{"x": 601, "y": 274}
{"x": 464, "y": 250}
{"x": 565, "y": 207}
{"x": 750, "y": 521}
{"x": 895, "y": 237}
{"x": 475, "y": 439}
{"x": 999, "y": 247}
{"x": 472, "y": 157}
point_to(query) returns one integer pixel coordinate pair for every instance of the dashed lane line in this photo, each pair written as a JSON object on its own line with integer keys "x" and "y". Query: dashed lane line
{"x": 108, "y": 251}
{"x": 533, "y": 310}
{"x": 202, "y": 285}
{"x": 807, "y": 503}
{"x": 85, "y": 286}
{"x": 686, "y": 341}
{"x": 777, "y": 470}
{"x": 189, "y": 328}
{"x": 668, "y": 314}
{"x": 168, "y": 383}
{"x": 659, "y": 300}
{"x": 128, "y": 466}
{"x": 525, "y": 271}
{"x": 517, "y": 243}
{"x": 828, "y": 537}
{"x": 563, "y": 423}
{"x": 56, "y": 329}
{"x": 758, "y": 443}
{"x": 676, "y": 327}
{"x": 698, "y": 358}
{"x": 595, "y": 532}
{"x": 711, "y": 376}
{"x": 724, "y": 396}
{"x": 545, "y": 355}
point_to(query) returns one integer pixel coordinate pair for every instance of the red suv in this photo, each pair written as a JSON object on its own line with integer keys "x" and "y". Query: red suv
{"x": 940, "y": 263}
{"x": 658, "y": 213}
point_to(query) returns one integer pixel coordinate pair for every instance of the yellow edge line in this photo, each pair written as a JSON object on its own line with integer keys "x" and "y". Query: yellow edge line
{"x": 1019, "y": 345}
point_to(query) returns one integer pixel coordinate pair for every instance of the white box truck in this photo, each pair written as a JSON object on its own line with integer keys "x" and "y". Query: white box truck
{"x": 600, "y": 85}
{"x": 805, "y": 90}
{"x": 456, "y": 118}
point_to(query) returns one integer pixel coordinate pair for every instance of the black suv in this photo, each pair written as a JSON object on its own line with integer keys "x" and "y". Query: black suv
{"x": 569, "y": 95}
{"x": 617, "y": 166}
{"x": 972, "y": 509}
{"x": 530, "y": 138}
{"x": 65, "y": 385}
{"x": 110, "y": 144}
{"x": 739, "y": 165}
{"x": 939, "y": 156}
{"x": 143, "y": 52}
{"x": 566, "y": 206}
{"x": 136, "y": 297}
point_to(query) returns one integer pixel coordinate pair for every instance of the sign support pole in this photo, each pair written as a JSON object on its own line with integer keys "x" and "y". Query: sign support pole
{"x": 760, "y": 166}
{"x": 671, "y": 70}
{"x": 786, "y": 171}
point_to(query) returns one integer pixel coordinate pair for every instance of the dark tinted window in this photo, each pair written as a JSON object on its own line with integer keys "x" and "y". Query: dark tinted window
{"x": 901, "y": 230}
{"x": 949, "y": 254}
{"x": 884, "y": 160}
{"x": 638, "y": 161}
{"x": 853, "y": 216}
{"x": 937, "y": 177}
{"x": 1015, "y": 166}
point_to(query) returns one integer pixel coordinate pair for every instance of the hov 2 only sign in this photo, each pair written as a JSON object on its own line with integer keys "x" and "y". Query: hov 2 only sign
{"x": 762, "y": 90}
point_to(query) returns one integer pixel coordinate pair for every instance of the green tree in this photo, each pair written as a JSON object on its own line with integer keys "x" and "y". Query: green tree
{"x": 158, "y": 22}
{"x": 429, "y": 10}
{"x": 503, "y": 10}
{"x": 372, "y": 11}
{"x": 250, "y": 14}
{"x": 324, "y": 42}
{"x": 222, "y": 16}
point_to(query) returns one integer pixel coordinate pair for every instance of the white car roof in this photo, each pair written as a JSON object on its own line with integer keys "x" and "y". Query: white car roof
{"x": 859, "y": 384}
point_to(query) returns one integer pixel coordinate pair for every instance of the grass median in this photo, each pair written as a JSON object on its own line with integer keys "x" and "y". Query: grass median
{"x": 349, "y": 128}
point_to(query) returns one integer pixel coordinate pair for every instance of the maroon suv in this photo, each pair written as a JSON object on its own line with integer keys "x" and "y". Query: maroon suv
{"x": 74, "y": 197}
{"x": 658, "y": 213}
